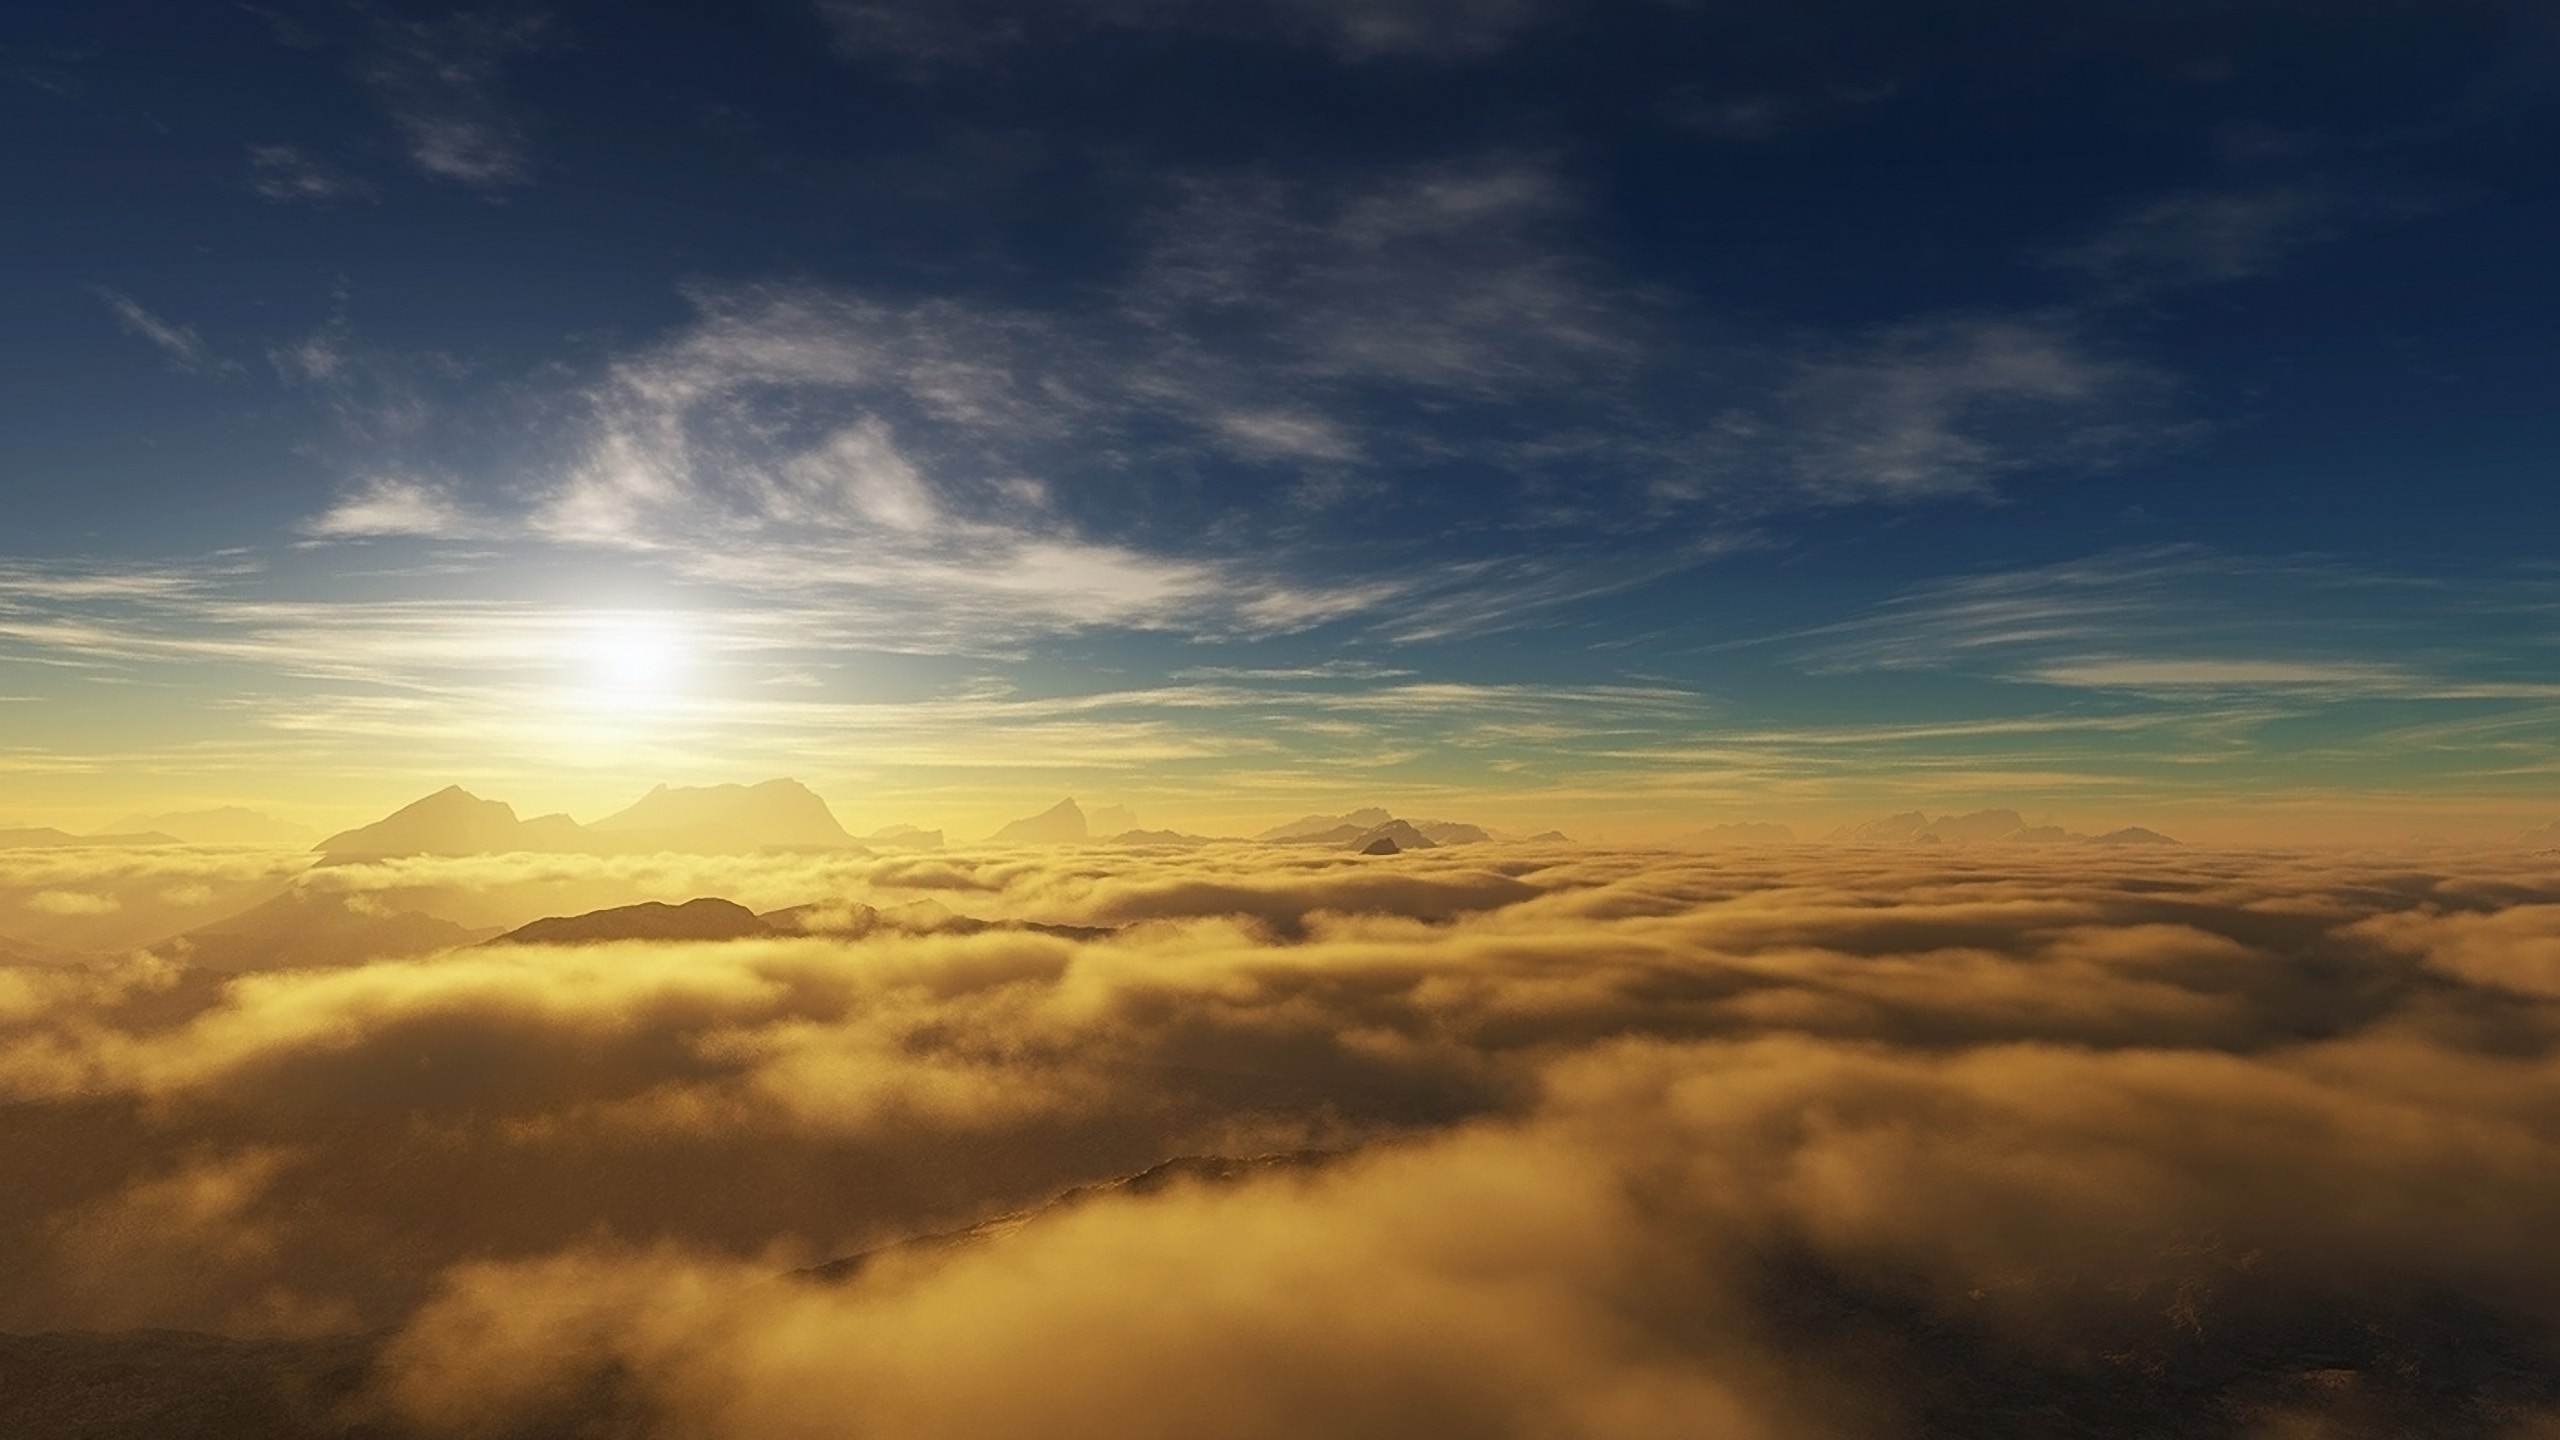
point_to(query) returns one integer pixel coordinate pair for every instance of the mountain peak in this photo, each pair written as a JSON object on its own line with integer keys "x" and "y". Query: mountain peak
{"x": 773, "y": 814}
{"x": 714, "y": 819}
{"x": 1061, "y": 824}
{"x": 452, "y": 821}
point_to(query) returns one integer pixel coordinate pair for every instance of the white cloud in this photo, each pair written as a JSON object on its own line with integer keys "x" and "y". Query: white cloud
{"x": 394, "y": 505}
{"x": 858, "y": 468}
{"x": 2228, "y": 674}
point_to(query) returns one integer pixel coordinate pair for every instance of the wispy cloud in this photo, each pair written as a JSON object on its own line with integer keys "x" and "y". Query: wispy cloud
{"x": 969, "y": 466}
{"x": 439, "y": 82}
{"x": 2202, "y": 238}
{"x": 1949, "y": 407}
{"x": 1452, "y": 278}
{"x": 922, "y": 34}
{"x": 476, "y": 686}
{"x": 2183, "y": 622}
{"x": 1729, "y": 113}
{"x": 1281, "y": 353}
{"x": 184, "y": 348}
{"x": 290, "y": 174}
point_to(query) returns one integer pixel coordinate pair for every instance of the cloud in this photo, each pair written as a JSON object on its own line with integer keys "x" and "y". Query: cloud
{"x": 2187, "y": 621}
{"x": 934, "y": 36}
{"x": 184, "y": 348}
{"x": 964, "y": 475}
{"x": 438, "y": 80}
{"x": 72, "y": 902}
{"x": 1447, "y": 278}
{"x": 390, "y": 505}
{"x": 1744, "y": 114}
{"x": 2040, "y": 1100}
{"x": 2111, "y": 674}
{"x": 1624, "y": 1143}
{"x": 1305, "y": 400}
{"x": 1948, "y": 407}
{"x": 2205, "y": 238}
{"x": 289, "y": 174}
{"x": 927, "y": 479}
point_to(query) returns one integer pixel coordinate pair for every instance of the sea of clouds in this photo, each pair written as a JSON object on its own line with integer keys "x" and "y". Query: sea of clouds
{"x": 1802, "y": 1142}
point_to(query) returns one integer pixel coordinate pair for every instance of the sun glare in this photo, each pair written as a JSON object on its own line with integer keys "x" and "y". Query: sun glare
{"x": 632, "y": 660}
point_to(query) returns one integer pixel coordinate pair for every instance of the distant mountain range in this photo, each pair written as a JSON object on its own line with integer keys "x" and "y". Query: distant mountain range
{"x": 227, "y": 825}
{"x": 1067, "y": 823}
{"x": 1739, "y": 833}
{"x": 2006, "y": 827}
{"x": 230, "y": 825}
{"x": 713, "y": 919}
{"x": 709, "y": 820}
{"x": 1371, "y": 831}
{"x": 45, "y": 837}
{"x": 305, "y": 928}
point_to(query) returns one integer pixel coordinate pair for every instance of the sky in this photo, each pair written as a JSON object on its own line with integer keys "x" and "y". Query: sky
{"x": 1627, "y": 417}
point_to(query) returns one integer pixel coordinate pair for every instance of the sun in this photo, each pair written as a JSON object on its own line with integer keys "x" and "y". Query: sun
{"x": 632, "y": 661}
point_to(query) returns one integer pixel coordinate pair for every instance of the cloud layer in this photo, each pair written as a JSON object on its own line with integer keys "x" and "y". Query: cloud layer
{"x": 1629, "y": 1144}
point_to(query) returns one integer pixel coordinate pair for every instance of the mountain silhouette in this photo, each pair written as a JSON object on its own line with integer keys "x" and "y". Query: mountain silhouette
{"x": 916, "y": 917}
{"x": 304, "y": 928}
{"x": 1347, "y": 834}
{"x": 1158, "y": 837}
{"x": 453, "y": 821}
{"x": 709, "y": 820}
{"x": 708, "y": 918}
{"x": 45, "y": 837}
{"x": 726, "y": 819}
{"x": 1979, "y": 826}
{"x": 1308, "y": 827}
{"x": 2005, "y": 827}
{"x": 227, "y": 825}
{"x": 1355, "y": 829}
{"x": 1740, "y": 832}
{"x": 1060, "y": 824}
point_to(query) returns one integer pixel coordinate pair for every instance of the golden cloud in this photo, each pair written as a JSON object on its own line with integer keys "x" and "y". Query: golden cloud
{"x": 1626, "y": 1144}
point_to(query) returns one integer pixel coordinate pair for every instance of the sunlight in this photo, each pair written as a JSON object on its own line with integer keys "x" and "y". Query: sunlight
{"x": 632, "y": 661}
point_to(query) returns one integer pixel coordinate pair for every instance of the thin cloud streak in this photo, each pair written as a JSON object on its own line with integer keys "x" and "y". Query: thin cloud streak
{"x": 184, "y": 348}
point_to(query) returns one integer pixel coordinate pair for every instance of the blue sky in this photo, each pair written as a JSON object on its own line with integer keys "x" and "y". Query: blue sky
{"x": 1626, "y": 416}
